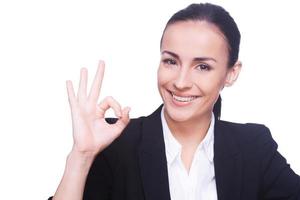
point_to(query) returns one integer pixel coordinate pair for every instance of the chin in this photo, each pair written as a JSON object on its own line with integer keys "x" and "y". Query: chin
{"x": 179, "y": 115}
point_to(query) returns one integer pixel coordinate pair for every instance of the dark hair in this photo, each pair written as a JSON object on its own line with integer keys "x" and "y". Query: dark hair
{"x": 220, "y": 18}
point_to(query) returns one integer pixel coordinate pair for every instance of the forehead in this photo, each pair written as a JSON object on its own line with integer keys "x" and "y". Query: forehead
{"x": 195, "y": 38}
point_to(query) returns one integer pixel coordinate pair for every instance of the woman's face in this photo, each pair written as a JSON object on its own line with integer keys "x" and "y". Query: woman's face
{"x": 193, "y": 69}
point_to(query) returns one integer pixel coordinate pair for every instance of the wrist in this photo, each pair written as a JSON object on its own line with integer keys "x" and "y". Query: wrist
{"x": 79, "y": 161}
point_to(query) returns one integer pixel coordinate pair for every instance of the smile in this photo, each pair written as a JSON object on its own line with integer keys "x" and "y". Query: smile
{"x": 183, "y": 99}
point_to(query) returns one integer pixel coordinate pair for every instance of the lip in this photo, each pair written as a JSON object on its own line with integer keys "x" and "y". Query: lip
{"x": 181, "y": 103}
{"x": 182, "y": 95}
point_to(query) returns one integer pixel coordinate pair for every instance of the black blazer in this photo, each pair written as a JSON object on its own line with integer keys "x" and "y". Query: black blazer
{"x": 247, "y": 164}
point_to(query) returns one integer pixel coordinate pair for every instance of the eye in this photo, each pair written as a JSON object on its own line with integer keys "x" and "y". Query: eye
{"x": 169, "y": 61}
{"x": 203, "y": 67}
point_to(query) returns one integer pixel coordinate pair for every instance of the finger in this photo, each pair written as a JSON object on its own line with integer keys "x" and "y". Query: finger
{"x": 109, "y": 102}
{"x": 124, "y": 120}
{"x": 96, "y": 86}
{"x": 81, "y": 95}
{"x": 71, "y": 94}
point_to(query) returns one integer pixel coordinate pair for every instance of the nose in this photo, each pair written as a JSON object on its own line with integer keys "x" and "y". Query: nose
{"x": 183, "y": 80}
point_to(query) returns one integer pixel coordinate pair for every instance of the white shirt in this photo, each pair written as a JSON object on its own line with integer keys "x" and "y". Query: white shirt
{"x": 200, "y": 182}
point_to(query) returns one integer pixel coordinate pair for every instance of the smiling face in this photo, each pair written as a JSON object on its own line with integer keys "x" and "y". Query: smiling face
{"x": 193, "y": 70}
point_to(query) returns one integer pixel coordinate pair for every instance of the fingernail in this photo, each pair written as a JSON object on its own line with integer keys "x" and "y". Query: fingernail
{"x": 101, "y": 62}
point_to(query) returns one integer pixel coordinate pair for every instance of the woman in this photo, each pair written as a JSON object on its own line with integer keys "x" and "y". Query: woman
{"x": 183, "y": 150}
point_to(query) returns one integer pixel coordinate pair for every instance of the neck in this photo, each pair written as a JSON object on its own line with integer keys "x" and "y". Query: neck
{"x": 191, "y": 132}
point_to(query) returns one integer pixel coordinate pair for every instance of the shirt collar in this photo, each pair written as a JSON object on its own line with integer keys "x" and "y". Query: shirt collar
{"x": 173, "y": 147}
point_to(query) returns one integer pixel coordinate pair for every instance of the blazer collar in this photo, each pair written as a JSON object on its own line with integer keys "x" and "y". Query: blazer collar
{"x": 153, "y": 162}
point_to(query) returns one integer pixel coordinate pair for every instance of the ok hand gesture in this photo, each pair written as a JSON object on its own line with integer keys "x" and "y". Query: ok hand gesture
{"x": 91, "y": 133}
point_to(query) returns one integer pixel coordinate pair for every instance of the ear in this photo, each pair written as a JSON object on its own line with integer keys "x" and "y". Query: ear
{"x": 233, "y": 74}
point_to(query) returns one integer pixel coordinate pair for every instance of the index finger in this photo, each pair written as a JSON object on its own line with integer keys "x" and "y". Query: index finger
{"x": 96, "y": 86}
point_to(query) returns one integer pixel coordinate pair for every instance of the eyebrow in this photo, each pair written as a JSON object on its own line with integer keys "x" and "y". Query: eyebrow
{"x": 194, "y": 59}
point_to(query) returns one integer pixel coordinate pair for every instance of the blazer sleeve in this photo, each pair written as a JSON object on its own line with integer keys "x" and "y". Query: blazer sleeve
{"x": 279, "y": 180}
{"x": 99, "y": 180}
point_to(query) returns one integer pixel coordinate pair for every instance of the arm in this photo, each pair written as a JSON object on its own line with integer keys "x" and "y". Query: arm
{"x": 91, "y": 133}
{"x": 279, "y": 180}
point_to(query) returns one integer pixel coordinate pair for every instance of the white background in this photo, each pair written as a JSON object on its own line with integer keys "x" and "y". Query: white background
{"x": 44, "y": 43}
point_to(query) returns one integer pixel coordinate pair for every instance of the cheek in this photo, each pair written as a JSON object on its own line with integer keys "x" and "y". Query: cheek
{"x": 159, "y": 75}
{"x": 163, "y": 76}
{"x": 210, "y": 84}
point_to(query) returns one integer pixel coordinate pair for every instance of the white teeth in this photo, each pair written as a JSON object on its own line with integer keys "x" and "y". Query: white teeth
{"x": 183, "y": 99}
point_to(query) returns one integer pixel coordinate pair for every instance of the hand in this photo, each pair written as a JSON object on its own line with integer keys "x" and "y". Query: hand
{"x": 91, "y": 133}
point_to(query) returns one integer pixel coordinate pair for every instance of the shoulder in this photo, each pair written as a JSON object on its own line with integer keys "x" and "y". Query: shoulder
{"x": 247, "y": 134}
{"x": 252, "y": 142}
{"x": 246, "y": 130}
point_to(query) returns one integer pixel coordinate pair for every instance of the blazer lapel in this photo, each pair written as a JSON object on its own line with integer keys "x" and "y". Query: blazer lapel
{"x": 152, "y": 159}
{"x": 228, "y": 163}
{"x": 153, "y": 163}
